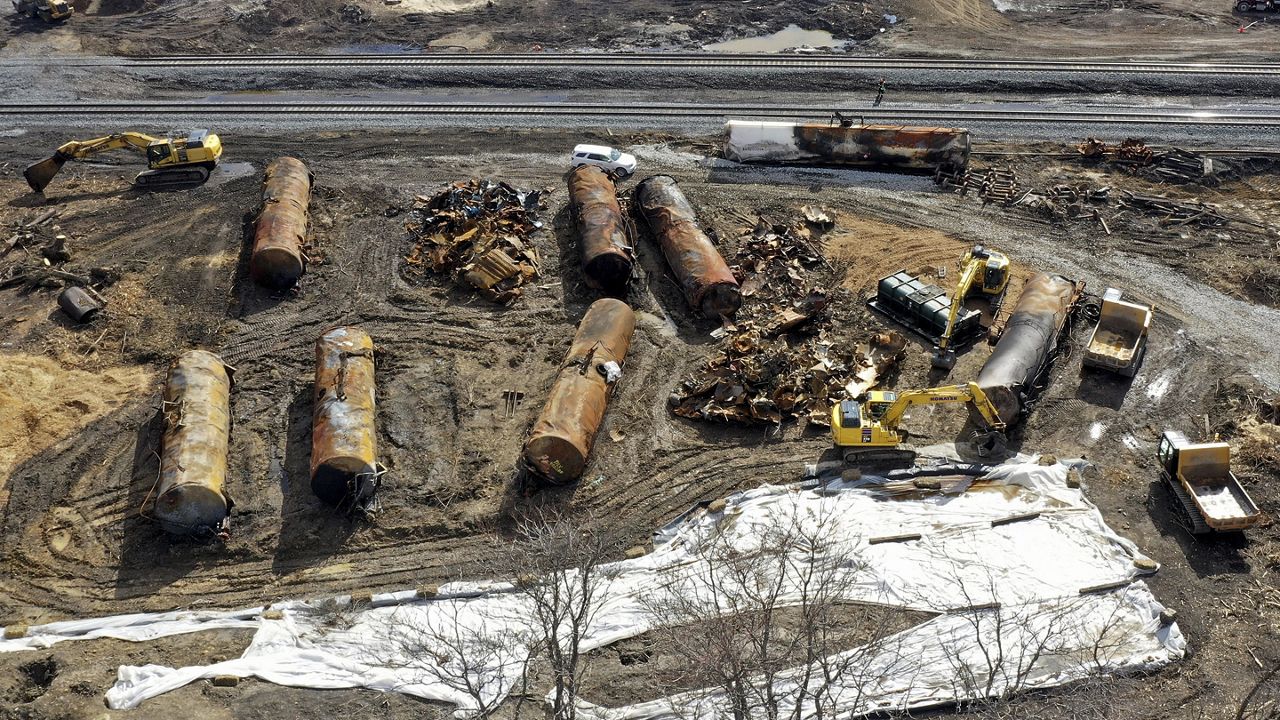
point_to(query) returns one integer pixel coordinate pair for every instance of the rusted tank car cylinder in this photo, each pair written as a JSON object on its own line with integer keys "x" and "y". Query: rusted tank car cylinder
{"x": 343, "y": 441}
{"x": 1028, "y": 342}
{"x": 193, "y": 465}
{"x": 606, "y": 253}
{"x": 708, "y": 284}
{"x": 277, "y": 259}
{"x": 561, "y": 439}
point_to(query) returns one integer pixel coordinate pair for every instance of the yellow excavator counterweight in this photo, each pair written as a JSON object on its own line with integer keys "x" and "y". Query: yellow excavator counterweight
{"x": 171, "y": 162}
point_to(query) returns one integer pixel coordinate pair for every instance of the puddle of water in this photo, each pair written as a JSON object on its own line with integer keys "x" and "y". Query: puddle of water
{"x": 790, "y": 36}
{"x": 1131, "y": 442}
{"x": 1096, "y": 430}
{"x": 1157, "y": 389}
{"x": 229, "y": 171}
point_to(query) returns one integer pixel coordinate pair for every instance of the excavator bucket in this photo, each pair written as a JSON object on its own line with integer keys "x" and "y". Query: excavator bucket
{"x": 943, "y": 359}
{"x": 42, "y": 173}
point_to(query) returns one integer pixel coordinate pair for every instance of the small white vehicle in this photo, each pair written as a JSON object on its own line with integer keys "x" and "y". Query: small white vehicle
{"x": 615, "y": 161}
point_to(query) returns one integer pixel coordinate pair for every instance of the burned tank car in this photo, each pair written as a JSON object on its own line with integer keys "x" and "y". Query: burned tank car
{"x": 1028, "y": 344}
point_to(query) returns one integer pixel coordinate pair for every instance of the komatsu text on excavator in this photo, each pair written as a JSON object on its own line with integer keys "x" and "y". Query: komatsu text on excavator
{"x": 866, "y": 428}
{"x": 172, "y": 162}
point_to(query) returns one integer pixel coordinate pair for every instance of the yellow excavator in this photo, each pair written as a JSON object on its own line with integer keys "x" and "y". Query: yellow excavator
{"x": 47, "y": 10}
{"x": 981, "y": 269}
{"x": 172, "y": 162}
{"x": 866, "y": 428}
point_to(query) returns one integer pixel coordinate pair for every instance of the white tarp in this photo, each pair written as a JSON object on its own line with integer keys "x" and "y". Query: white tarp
{"x": 1034, "y": 569}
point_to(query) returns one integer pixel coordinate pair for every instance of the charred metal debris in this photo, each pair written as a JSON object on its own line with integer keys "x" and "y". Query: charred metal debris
{"x": 478, "y": 233}
{"x": 44, "y": 260}
{"x": 1172, "y": 165}
{"x": 777, "y": 360}
{"x": 1081, "y": 201}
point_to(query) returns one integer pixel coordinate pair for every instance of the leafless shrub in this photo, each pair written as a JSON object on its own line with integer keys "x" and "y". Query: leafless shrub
{"x": 559, "y": 563}
{"x": 764, "y": 628}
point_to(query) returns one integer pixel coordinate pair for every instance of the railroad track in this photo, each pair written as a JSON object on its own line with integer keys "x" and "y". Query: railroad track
{"x": 333, "y": 109}
{"x": 688, "y": 60}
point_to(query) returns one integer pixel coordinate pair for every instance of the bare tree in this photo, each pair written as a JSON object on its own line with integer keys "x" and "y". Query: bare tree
{"x": 1013, "y": 643}
{"x": 560, "y": 566}
{"x": 765, "y": 628}
{"x": 463, "y": 650}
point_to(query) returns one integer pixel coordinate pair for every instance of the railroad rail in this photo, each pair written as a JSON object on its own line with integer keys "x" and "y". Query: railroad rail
{"x": 691, "y": 60}
{"x": 333, "y": 109}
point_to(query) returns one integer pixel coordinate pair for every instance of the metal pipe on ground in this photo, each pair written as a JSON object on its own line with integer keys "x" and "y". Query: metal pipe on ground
{"x": 558, "y": 446}
{"x": 78, "y": 304}
{"x": 708, "y": 284}
{"x": 344, "y": 466}
{"x": 193, "y": 463}
{"x": 606, "y": 253}
{"x": 1027, "y": 346}
{"x": 281, "y": 230}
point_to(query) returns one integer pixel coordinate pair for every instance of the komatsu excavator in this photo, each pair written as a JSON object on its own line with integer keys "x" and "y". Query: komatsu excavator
{"x": 866, "y": 428}
{"x": 981, "y": 269}
{"x": 47, "y": 10}
{"x": 172, "y": 162}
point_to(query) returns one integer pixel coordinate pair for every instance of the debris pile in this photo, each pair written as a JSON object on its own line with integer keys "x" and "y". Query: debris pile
{"x": 1172, "y": 165}
{"x": 776, "y": 361}
{"x": 477, "y": 232}
{"x": 1176, "y": 212}
{"x": 44, "y": 257}
{"x": 1131, "y": 151}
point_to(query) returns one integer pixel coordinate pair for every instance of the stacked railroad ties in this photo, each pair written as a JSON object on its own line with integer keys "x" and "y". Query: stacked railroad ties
{"x": 197, "y": 413}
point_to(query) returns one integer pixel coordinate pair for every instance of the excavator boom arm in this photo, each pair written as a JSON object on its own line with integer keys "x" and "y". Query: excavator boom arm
{"x": 40, "y": 174}
{"x": 967, "y": 393}
{"x": 969, "y": 273}
{"x": 81, "y": 149}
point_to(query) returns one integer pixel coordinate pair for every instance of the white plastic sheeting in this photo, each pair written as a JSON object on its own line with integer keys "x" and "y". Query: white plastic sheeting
{"x": 1034, "y": 568}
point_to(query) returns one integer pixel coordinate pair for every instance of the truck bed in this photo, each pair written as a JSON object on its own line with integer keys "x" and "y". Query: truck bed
{"x": 1224, "y": 504}
{"x": 1114, "y": 345}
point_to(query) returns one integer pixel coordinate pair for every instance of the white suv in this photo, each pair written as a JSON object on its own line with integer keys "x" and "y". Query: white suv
{"x": 617, "y": 162}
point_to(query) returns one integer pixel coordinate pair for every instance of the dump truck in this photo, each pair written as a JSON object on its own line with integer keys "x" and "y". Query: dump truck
{"x": 48, "y": 10}
{"x": 1257, "y": 6}
{"x": 1200, "y": 478}
{"x": 1119, "y": 341}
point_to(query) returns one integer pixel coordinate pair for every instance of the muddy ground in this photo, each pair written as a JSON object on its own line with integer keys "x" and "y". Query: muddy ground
{"x": 81, "y": 465}
{"x": 1057, "y": 28}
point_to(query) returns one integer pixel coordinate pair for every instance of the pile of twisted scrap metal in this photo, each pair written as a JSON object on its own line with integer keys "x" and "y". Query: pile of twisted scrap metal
{"x": 1170, "y": 165}
{"x": 776, "y": 360}
{"x": 477, "y": 232}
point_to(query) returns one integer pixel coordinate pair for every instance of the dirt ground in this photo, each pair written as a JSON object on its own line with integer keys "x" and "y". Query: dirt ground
{"x": 75, "y": 545}
{"x": 1054, "y": 28}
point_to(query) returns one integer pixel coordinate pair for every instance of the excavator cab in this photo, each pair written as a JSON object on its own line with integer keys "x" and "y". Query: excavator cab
{"x": 995, "y": 274}
{"x": 158, "y": 153}
{"x": 878, "y": 401}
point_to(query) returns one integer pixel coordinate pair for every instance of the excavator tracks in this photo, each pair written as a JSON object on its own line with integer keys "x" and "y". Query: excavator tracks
{"x": 171, "y": 179}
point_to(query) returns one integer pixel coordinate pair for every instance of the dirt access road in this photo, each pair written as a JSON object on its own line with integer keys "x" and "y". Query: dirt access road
{"x": 82, "y": 461}
{"x": 1188, "y": 29}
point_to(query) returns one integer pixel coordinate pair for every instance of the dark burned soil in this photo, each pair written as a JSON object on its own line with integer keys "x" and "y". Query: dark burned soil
{"x": 75, "y": 545}
{"x": 1066, "y": 28}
